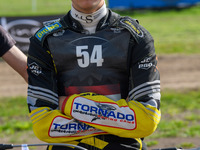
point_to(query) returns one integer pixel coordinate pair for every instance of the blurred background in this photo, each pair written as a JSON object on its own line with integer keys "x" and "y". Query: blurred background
{"x": 175, "y": 26}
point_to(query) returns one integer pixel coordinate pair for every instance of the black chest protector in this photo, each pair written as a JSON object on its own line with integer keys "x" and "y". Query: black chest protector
{"x": 91, "y": 63}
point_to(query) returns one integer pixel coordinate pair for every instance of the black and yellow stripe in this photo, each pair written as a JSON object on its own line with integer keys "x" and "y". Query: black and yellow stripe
{"x": 105, "y": 142}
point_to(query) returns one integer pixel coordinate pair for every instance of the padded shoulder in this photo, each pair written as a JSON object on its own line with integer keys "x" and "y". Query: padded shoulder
{"x": 47, "y": 29}
{"x": 133, "y": 26}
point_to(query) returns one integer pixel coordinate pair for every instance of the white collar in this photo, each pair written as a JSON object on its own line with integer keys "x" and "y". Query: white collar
{"x": 89, "y": 21}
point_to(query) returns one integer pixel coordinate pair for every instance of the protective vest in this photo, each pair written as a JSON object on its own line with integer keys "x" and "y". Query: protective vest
{"x": 95, "y": 63}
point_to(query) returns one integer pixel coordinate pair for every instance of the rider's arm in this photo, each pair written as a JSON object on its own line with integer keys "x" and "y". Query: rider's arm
{"x": 49, "y": 124}
{"x": 138, "y": 117}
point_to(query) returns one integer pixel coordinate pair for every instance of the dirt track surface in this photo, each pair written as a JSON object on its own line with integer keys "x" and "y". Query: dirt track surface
{"x": 178, "y": 72}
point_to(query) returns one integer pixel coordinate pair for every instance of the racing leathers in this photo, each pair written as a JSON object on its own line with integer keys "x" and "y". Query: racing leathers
{"x": 110, "y": 79}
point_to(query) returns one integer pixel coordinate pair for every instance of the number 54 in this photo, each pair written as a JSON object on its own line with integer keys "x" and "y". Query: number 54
{"x": 86, "y": 59}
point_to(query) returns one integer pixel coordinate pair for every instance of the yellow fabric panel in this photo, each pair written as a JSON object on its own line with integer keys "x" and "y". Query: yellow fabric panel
{"x": 147, "y": 118}
{"x": 95, "y": 142}
{"x": 139, "y": 141}
{"x": 42, "y": 120}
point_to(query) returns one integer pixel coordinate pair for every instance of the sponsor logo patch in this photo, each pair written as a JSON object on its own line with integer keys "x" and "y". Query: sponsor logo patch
{"x": 87, "y": 19}
{"x": 135, "y": 29}
{"x": 106, "y": 114}
{"x": 145, "y": 64}
{"x": 62, "y": 127}
{"x": 47, "y": 29}
{"x": 35, "y": 68}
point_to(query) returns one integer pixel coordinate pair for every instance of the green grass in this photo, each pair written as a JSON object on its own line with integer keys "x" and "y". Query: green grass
{"x": 14, "y": 116}
{"x": 174, "y": 31}
{"x": 180, "y": 116}
{"x": 187, "y": 145}
{"x": 43, "y": 7}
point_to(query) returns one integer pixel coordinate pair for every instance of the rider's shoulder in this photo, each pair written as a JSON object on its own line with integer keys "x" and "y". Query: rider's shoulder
{"x": 48, "y": 28}
{"x": 134, "y": 27}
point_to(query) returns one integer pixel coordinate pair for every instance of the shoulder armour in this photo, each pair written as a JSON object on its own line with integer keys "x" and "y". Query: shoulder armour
{"x": 47, "y": 29}
{"x": 132, "y": 25}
